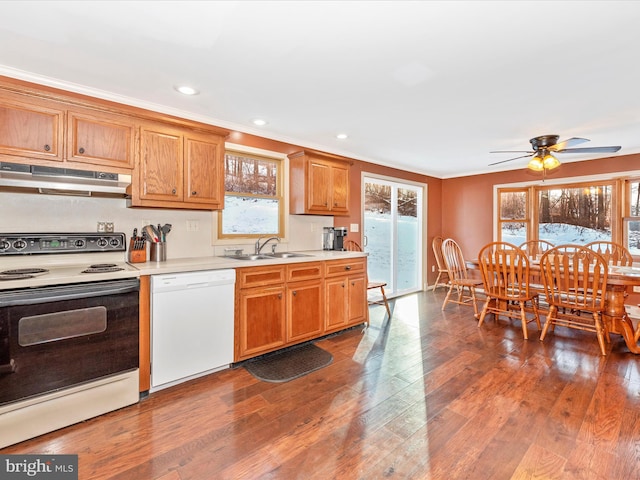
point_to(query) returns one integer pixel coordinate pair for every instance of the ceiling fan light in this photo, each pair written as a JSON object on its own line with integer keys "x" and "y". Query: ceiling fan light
{"x": 550, "y": 162}
{"x": 536, "y": 164}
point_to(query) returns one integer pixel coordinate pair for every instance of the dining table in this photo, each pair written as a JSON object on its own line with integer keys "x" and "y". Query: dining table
{"x": 615, "y": 315}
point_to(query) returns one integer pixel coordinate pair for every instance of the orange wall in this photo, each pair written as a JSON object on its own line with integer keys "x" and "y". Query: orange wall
{"x": 434, "y": 190}
{"x": 462, "y": 207}
{"x": 467, "y": 202}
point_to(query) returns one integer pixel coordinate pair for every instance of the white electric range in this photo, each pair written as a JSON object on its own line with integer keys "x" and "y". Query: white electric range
{"x": 69, "y": 330}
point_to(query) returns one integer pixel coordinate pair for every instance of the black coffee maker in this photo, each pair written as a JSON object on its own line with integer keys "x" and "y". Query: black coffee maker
{"x": 333, "y": 238}
{"x": 338, "y": 237}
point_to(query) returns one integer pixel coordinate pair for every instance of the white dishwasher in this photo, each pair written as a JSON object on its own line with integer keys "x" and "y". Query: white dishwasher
{"x": 191, "y": 325}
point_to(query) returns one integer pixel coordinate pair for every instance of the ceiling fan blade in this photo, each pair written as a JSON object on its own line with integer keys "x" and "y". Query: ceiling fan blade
{"x": 590, "y": 150}
{"x": 510, "y": 159}
{"x": 511, "y": 151}
{"x": 569, "y": 142}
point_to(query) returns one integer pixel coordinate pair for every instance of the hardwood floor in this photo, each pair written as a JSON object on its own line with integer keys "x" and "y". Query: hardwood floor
{"x": 428, "y": 395}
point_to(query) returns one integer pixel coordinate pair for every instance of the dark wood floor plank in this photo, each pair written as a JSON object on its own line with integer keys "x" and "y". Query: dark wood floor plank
{"x": 425, "y": 395}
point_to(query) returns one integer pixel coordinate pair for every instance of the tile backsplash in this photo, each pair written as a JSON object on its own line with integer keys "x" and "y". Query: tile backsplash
{"x": 191, "y": 234}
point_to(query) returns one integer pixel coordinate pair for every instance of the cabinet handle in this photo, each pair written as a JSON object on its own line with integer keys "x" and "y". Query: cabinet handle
{"x": 47, "y": 148}
{"x": 194, "y": 193}
{"x": 348, "y": 267}
{"x": 173, "y": 191}
{"x": 81, "y": 150}
{"x": 295, "y": 293}
{"x": 343, "y": 285}
{"x": 353, "y": 284}
{"x": 280, "y": 296}
{"x": 326, "y": 204}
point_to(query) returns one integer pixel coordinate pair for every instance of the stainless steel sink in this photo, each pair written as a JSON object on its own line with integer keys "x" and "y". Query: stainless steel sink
{"x": 250, "y": 257}
{"x": 286, "y": 255}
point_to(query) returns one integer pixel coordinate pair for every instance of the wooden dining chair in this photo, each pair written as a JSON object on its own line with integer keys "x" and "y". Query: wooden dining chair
{"x": 460, "y": 281}
{"x": 533, "y": 248}
{"x": 436, "y": 245}
{"x": 505, "y": 276}
{"x": 353, "y": 246}
{"x": 613, "y": 253}
{"x": 575, "y": 279}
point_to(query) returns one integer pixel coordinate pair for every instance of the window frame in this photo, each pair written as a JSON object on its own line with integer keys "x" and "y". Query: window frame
{"x": 619, "y": 202}
{"x": 526, "y": 220}
{"x": 627, "y": 217}
{"x": 280, "y": 191}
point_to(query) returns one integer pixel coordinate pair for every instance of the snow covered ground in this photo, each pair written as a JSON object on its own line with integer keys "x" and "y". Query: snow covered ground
{"x": 377, "y": 230}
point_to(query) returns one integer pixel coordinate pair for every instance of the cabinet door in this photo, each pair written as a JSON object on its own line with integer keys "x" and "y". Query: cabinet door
{"x": 32, "y": 131}
{"x": 336, "y": 303}
{"x": 357, "y": 303}
{"x": 339, "y": 188}
{"x": 304, "y": 310}
{"x": 161, "y": 163}
{"x": 204, "y": 170}
{"x": 100, "y": 139}
{"x": 261, "y": 319}
{"x": 318, "y": 186}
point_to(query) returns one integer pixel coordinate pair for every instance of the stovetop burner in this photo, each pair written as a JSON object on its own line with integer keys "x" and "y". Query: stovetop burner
{"x": 20, "y": 273}
{"x": 103, "y": 267}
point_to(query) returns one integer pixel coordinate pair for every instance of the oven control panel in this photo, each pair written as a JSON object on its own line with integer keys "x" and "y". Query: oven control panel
{"x": 39, "y": 243}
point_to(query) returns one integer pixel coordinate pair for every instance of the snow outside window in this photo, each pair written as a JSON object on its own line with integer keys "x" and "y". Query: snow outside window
{"x": 253, "y": 196}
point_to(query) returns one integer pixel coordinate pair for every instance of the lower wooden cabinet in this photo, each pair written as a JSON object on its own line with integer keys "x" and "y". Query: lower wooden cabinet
{"x": 304, "y": 310}
{"x": 282, "y": 305}
{"x": 277, "y": 306}
{"x": 346, "y": 293}
{"x": 260, "y": 318}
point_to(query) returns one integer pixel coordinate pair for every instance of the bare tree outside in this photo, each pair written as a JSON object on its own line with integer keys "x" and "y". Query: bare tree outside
{"x": 588, "y": 207}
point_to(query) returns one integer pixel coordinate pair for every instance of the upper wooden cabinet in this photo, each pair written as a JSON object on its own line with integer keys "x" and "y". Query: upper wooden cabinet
{"x": 319, "y": 183}
{"x": 174, "y": 162}
{"x": 42, "y": 131}
{"x": 100, "y": 138}
{"x": 30, "y": 130}
{"x": 179, "y": 168}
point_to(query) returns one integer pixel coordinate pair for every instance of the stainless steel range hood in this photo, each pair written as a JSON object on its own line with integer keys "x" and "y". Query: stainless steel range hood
{"x": 61, "y": 181}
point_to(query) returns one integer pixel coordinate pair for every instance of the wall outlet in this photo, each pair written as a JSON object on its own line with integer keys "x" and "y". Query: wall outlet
{"x": 354, "y": 227}
{"x": 433, "y": 268}
{"x": 636, "y": 289}
{"x": 193, "y": 226}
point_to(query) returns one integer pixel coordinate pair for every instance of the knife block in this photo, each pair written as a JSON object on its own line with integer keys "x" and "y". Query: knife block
{"x": 137, "y": 253}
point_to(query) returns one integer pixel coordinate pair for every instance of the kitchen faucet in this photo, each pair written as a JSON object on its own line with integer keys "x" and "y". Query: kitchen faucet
{"x": 260, "y": 247}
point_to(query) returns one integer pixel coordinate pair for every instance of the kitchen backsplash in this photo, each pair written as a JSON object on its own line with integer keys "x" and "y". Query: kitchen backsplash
{"x": 191, "y": 234}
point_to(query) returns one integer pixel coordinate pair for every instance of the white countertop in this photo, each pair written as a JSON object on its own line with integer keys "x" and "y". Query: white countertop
{"x": 60, "y": 274}
{"x": 192, "y": 264}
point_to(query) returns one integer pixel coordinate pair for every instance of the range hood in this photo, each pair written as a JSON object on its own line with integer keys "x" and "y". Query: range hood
{"x": 61, "y": 181}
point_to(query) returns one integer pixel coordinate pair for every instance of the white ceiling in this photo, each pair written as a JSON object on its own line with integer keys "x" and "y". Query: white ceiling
{"x": 426, "y": 86}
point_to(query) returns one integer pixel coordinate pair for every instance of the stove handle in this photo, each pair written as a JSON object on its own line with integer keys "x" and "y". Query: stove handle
{"x": 7, "y": 364}
{"x": 8, "y": 367}
{"x": 67, "y": 292}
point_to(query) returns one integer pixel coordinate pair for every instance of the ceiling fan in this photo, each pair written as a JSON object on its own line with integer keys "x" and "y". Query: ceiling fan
{"x": 543, "y": 147}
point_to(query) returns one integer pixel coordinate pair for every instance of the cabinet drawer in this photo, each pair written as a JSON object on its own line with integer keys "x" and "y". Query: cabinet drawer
{"x": 304, "y": 271}
{"x": 258, "y": 276}
{"x": 341, "y": 267}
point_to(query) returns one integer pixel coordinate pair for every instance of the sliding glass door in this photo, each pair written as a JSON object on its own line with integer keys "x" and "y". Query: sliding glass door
{"x": 393, "y": 216}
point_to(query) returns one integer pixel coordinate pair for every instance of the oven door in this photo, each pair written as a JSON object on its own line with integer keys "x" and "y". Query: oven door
{"x": 53, "y": 338}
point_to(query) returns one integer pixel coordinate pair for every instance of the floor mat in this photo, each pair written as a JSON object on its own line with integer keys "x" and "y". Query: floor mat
{"x": 289, "y": 364}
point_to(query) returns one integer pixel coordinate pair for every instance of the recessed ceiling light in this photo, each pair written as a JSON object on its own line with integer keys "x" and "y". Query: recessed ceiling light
{"x": 342, "y": 136}
{"x": 186, "y": 90}
{"x": 259, "y": 122}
